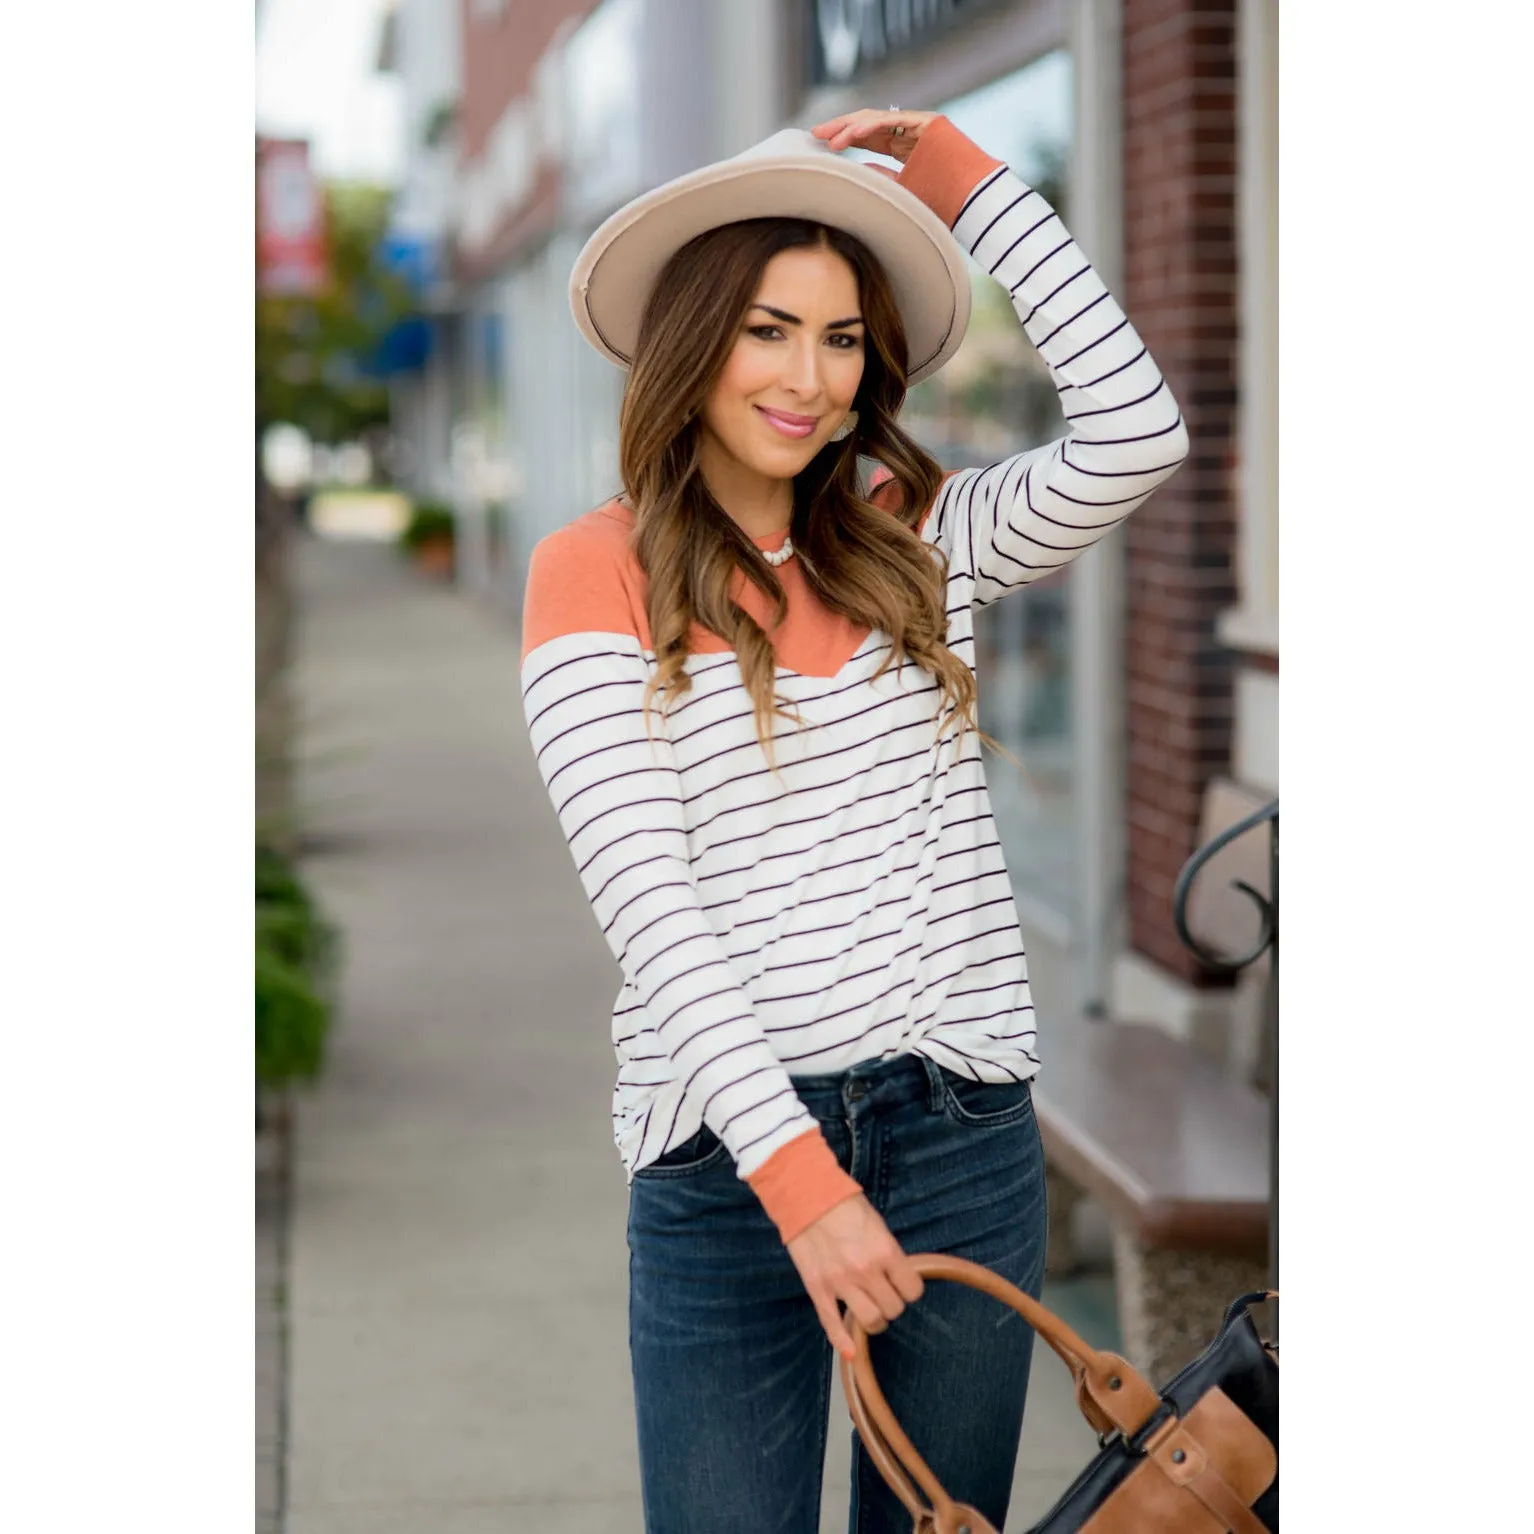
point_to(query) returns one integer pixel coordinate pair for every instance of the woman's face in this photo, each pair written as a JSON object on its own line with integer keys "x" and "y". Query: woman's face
{"x": 796, "y": 366}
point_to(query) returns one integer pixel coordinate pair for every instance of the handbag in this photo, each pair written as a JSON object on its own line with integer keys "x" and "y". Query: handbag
{"x": 1199, "y": 1457}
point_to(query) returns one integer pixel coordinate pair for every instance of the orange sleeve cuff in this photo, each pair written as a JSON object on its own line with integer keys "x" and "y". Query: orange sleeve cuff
{"x": 944, "y": 168}
{"x": 799, "y": 1181}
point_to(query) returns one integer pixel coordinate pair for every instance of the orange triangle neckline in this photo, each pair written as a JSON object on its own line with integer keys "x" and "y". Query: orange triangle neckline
{"x": 811, "y": 641}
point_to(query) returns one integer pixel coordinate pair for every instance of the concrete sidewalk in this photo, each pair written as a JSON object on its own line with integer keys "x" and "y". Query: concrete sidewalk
{"x": 457, "y": 1335}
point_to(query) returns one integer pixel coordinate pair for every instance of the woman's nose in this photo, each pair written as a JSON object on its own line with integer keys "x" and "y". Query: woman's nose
{"x": 803, "y": 373}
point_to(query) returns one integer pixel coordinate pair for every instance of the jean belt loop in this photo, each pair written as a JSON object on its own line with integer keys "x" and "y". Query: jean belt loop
{"x": 935, "y": 1085}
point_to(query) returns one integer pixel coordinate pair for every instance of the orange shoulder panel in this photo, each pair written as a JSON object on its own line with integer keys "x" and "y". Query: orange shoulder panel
{"x": 583, "y": 578}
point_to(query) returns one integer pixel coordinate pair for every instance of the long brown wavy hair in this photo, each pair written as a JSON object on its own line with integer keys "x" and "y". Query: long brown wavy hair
{"x": 860, "y": 560}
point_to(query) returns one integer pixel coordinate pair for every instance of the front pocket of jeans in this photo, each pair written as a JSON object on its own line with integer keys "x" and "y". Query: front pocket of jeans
{"x": 695, "y": 1154}
{"x": 986, "y": 1104}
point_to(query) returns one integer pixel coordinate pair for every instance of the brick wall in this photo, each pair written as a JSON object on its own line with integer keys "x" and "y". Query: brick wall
{"x": 1181, "y": 292}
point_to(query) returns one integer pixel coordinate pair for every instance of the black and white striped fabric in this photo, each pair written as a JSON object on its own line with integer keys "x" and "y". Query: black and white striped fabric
{"x": 858, "y": 905}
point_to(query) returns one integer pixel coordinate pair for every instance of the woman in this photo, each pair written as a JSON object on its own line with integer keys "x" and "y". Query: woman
{"x": 749, "y": 685}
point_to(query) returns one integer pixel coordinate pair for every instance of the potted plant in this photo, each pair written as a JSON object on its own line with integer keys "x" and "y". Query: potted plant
{"x": 429, "y": 538}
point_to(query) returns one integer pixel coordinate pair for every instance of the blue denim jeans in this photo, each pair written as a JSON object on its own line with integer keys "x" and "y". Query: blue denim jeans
{"x": 732, "y": 1369}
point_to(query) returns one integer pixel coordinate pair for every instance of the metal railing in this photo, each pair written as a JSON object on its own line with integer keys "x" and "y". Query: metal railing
{"x": 1266, "y": 942}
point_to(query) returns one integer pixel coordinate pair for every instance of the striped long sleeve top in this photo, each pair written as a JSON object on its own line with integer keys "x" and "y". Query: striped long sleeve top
{"x": 857, "y": 905}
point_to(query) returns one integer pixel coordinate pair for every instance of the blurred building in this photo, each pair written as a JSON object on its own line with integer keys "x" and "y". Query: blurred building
{"x": 421, "y": 44}
{"x": 1132, "y": 680}
{"x": 1149, "y": 669}
{"x": 569, "y": 110}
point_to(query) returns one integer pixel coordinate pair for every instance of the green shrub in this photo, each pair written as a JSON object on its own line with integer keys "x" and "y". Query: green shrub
{"x": 296, "y": 950}
{"x": 275, "y": 880}
{"x": 428, "y": 521}
{"x": 291, "y": 1023}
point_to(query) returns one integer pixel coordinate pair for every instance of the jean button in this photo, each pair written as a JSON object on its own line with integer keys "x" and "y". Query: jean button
{"x": 857, "y": 1091}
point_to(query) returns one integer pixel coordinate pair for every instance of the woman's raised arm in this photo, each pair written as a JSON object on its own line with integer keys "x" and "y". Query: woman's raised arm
{"x": 1011, "y": 522}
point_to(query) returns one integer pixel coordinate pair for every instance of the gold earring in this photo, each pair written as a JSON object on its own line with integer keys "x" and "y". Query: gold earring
{"x": 848, "y": 426}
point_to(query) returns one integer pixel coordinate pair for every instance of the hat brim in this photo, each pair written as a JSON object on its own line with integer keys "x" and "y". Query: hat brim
{"x": 617, "y": 269}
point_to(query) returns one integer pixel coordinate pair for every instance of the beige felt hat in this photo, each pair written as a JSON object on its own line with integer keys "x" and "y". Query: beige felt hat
{"x": 792, "y": 174}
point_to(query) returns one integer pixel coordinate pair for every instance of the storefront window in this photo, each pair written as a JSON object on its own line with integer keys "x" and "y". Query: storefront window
{"x": 994, "y": 399}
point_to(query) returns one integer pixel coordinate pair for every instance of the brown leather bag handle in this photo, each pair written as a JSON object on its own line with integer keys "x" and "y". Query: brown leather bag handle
{"x": 1110, "y": 1392}
{"x": 1112, "y": 1396}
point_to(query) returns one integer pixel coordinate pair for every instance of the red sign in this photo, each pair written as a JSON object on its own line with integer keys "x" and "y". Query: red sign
{"x": 290, "y": 221}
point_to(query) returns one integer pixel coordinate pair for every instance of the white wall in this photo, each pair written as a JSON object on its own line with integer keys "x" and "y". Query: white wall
{"x": 427, "y": 53}
{"x": 1257, "y": 45}
{"x": 1097, "y": 589}
{"x": 542, "y": 400}
{"x": 745, "y": 39}
{"x": 1253, "y": 624}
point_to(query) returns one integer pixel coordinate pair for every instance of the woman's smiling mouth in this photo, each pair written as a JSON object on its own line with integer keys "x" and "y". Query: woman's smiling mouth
{"x": 789, "y": 425}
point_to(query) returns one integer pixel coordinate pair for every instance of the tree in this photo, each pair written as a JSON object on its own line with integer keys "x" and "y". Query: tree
{"x": 313, "y": 354}
{"x": 312, "y": 358}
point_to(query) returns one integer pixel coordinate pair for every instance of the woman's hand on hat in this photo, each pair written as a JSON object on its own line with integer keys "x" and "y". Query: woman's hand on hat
{"x": 849, "y": 1255}
{"x": 872, "y": 128}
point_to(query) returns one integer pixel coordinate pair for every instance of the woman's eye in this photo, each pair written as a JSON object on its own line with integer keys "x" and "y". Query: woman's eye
{"x": 767, "y": 332}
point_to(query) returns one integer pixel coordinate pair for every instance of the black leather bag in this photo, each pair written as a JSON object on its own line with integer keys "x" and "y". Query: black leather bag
{"x": 1199, "y": 1456}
